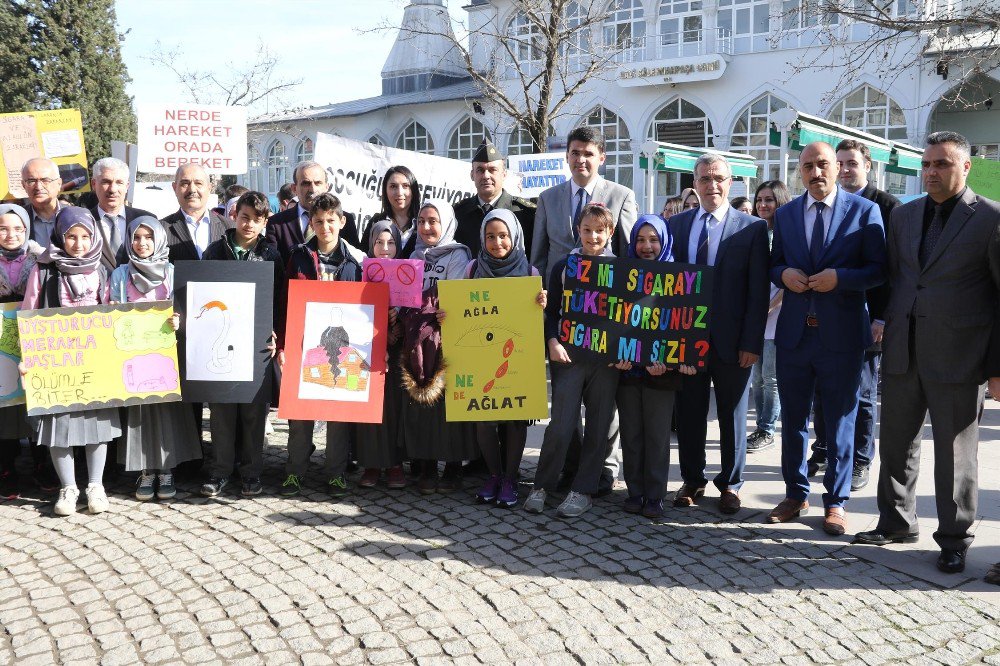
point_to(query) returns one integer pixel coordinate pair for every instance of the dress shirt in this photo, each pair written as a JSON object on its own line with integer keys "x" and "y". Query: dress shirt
{"x": 41, "y": 229}
{"x": 589, "y": 189}
{"x": 303, "y": 219}
{"x": 200, "y": 230}
{"x": 947, "y": 208}
{"x": 714, "y": 235}
{"x": 492, "y": 203}
{"x": 810, "y": 215}
{"x": 120, "y": 225}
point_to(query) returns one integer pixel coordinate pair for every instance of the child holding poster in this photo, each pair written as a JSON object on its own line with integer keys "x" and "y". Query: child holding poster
{"x": 70, "y": 274}
{"x": 645, "y": 395}
{"x": 160, "y": 436}
{"x": 379, "y": 446}
{"x": 581, "y": 379}
{"x": 325, "y": 256}
{"x": 429, "y": 437}
{"x": 18, "y": 254}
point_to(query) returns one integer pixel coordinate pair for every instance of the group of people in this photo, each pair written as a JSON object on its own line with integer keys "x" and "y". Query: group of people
{"x": 809, "y": 293}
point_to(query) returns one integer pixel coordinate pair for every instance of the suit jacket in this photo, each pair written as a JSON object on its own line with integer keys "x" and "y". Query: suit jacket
{"x": 112, "y": 258}
{"x": 878, "y": 297}
{"x": 553, "y": 236}
{"x": 284, "y": 230}
{"x": 951, "y": 304}
{"x": 182, "y": 247}
{"x": 740, "y": 291}
{"x": 470, "y": 219}
{"x": 855, "y": 247}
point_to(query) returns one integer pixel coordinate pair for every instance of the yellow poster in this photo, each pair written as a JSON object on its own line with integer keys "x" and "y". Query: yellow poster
{"x": 99, "y": 356}
{"x": 11, "y": 392}
{"x": 494, "y": 348}
{"x": 55, "y": 134}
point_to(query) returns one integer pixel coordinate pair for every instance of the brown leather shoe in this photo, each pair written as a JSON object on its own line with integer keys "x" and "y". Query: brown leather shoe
{"x": 835, "y": 522}
{"x": 687, "y": 494}
{"x": 729, "y": 501}
{"x": 788, "y": 509}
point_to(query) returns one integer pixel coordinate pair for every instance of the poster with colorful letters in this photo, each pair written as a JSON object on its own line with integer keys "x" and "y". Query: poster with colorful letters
{"x": 405, "y": 278}
{"x": 11, "y": 390}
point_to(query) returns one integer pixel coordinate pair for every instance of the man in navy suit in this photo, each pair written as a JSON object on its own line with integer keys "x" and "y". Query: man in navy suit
{"x": 715, "y": 234}
{"x": 829, "y": 248}
{"x": 110, "y": 183}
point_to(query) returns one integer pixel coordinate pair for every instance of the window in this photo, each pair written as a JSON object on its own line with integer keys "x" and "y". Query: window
{"x": 520, "y": 142}
{"x": 255, "y": 176}
{"x": 618, "y": 146}
{"x": 525, "y": 42}
{"x": 751, "y": 135}
{"x": 415, "y": 137}
{"x": 989, "y": 151}
{"x": 376, "y": 140}
{"x": 278, "y": 172}
{"x": 625, "y": 30}
{"x": 747, "y": 23}
{"x": 684, "y": 123}
{"x": 466, "y": 139}
{"x": 304, "y": 152}
{"x": 871, "y": 110}
{"x": 680, "y": 28}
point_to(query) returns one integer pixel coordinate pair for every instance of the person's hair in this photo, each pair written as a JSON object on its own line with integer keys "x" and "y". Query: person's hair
{"x": 327, "y": 202}
{"x": 599, "y": 211}
{"x": 191, "y": 165}
{"x": 109, "y": 164}
{"x": 710, "y": 158}
{"x": 673, "y": 205}
{"x": 778, "y": 189}
{"x": 414, "y": 192}
{"x": 307, "y": 164}
{"x": 257, "y": 202}
{"x": 739, "y": 201}
{"x": 235, "y": 190}
{"x": 936, "y": 138}
{"x": 853, "y": 144}
{"x": 586, "y": 134}
{"x": 52, "y": 165}
{"x": 285, "y": 193}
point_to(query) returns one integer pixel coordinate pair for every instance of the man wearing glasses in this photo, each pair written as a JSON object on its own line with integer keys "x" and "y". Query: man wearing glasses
{"x": 42, "y": 183}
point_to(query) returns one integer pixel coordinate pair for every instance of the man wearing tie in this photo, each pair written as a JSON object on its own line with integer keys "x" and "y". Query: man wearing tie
{"x": 194, "y": 227}
{"x": 40, "y": 179}
{"x": 735, "y": 244}
{"x": 828, "y": 249}
{"x": 110, "y": 183}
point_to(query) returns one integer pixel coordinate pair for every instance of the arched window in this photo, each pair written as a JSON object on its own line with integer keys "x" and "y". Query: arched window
{"x": 415, "y": 137}
{"x": 278, "y": 172}
{"x": 751, "y": 135}
{"x": 871, "y": 110}
{"x": 304, "y": 151}
{"x": 684, "y": 123}
{"x": 520, "y": 142}
{"x": 466, "y": 139}
{"x": 680, "y": 24}
{"x": 255, "y": 175}
{"x": 625, "y": 30}
{"x": 376, "y": 140}
{"x": 618, "y": 146}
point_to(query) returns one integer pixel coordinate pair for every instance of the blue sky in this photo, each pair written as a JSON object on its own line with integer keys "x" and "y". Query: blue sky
{"x": 319, "y": 42}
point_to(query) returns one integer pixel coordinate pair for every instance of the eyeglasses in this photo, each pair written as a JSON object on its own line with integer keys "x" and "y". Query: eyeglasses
{"x": 31, "y": 182}
{"x": 708, "y": 180}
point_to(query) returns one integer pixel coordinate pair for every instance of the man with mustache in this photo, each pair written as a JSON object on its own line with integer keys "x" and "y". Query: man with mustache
{"x": 828, "y": 249}
{"x": 194, "y": 227}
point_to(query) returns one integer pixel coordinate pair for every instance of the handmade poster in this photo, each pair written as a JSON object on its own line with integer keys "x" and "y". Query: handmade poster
{"x": 11, "y": 391}
{"x": 634, "y": 310}
{"x": 494, "y": 347}
{"x": 984, "y": 178}
{"x": 172, "y": 135}
{"x": 226, "y": 323}
{"x": 98, "y": 356}
{"x": 335, "y": 343}
{"x": 405, "y": 278}
{"x": 56, "y": 134}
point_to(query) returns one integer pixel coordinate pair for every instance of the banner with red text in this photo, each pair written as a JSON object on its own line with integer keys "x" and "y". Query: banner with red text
{"x": 172, "y": 135}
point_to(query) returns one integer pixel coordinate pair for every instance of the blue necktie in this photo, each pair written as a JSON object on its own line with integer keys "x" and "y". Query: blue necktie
{"x": 580, "y": 203}
{"x": 818, "y": 235}
{"x": 702, "y": 255}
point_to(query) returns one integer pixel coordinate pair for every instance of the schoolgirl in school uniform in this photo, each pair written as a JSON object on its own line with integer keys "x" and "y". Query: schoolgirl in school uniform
{"x": 69, "y": 274}
{"x": 645, "y": 396}
{"x": 427, "y": 435}
{"x": 159, "y": 436}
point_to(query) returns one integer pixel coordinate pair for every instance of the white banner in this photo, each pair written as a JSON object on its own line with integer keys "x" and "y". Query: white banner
{"x": 536, "y": 173}
{"x": 171, "y": 135}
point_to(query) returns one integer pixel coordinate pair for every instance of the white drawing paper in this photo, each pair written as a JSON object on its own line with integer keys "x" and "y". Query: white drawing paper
{"x": 336, "y": 351}
{"x": 61, "y": 143}
{"x": 219, "y": 329}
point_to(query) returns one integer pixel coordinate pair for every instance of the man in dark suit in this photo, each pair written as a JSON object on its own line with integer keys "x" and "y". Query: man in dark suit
{"x": 855, "y": 162}
{"x": 941, "y": 345}
{"x": 735, "y": 244}
{"x": 488, "y": 174}
{"x": 194, "y": 227}
{"x": 109, "y": 182}
{"x": 289, "y": 227}
{"x": 828, "y": 249}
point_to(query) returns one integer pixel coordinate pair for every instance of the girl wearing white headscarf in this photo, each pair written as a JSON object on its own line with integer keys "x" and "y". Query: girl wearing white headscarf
{"x": 444, "y": 257}
{"x": 160, "y": 436}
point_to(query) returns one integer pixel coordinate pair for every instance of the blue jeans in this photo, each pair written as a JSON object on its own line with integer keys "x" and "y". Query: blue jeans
{"x": 764, "y": 389}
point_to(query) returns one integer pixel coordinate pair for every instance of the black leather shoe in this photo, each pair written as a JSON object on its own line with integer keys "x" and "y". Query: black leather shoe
{"x": 878, "y": 538}
{"x": 817, "y": 463}
{"x": 951, "y": 561}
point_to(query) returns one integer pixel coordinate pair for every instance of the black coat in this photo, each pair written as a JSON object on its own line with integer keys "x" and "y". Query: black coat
{"x": 878, "y": 297}
{"x": 182, "y": 247}
{"x": 284, "y": 230}
{"x": 470, "y": 219}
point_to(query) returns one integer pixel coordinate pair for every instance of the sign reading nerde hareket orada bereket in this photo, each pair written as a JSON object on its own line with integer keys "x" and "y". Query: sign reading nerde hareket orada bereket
{"x": 172, "y": 135}
{"x": 634, "y": 310}
{"x": 494, "y": 347}
{"x": 98, "y": 356}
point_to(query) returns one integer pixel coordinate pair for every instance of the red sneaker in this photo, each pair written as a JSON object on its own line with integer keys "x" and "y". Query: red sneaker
{"x": 370, "y": 478}
{"x": 396, "y": 478}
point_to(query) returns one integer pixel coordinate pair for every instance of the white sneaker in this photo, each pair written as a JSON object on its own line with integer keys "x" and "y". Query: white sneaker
{"x": 97, "y": 501}
{"x": 536, "y": 501}
{"x": 574, "y": 504}
{"x": 66, "y": 504}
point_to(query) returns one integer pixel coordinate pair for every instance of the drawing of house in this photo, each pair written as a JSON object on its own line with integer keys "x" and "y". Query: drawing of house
{"x": 354, "y": 369}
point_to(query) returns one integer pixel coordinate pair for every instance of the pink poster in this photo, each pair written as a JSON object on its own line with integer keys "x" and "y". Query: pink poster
{"x": 405, "y": 278}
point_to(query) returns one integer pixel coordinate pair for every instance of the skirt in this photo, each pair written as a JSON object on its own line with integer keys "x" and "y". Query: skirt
{"x": 14, "y": 422}
{"x": 428, "y": 436}
{"x": 380, "y": 445}
{"x": 94, "y": 426}
{"x": 159, "y": 437}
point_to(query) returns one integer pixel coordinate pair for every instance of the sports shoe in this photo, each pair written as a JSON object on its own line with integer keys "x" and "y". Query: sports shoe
{"x": 574, "y": 505}
{"x": 9, "y": 487}
{"x": 370, "y": 477}
{"x": 214, "y": 487}
{"x": 291, "y": 487}
{"x": 536, "y": 501}
{"x": 507, "y": 497}
{"x": 145, "y": 487}
{"x": 97, "y": 500}
{"x": 251, "y": 487}
{"x": 759, "y": 440}
{"x": 634, "y": 504}
{"x": 337, "y": 486}
{"x": 66, "y": 504}
{"x": 859, "y": 478}
{"x": 165, "y": 488}
{"x": 489, "y": 491}
{"x": 395, "y": 478}
{"x": 653, "y": 509}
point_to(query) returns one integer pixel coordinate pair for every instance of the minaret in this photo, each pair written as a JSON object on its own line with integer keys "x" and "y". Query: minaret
{"x": 424, "y": 55}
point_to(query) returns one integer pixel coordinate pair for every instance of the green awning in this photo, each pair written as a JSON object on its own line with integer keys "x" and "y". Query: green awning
{"x": 905, "y": 160}
{"x": 681, "y": 159}
{"x": 808, "y": 129}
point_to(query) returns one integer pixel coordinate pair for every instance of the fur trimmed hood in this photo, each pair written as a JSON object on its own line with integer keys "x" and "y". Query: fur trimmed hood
{"x": 429, "y": 393}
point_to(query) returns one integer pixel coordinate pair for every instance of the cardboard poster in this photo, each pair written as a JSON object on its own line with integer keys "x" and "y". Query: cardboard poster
{"x": 98, "y": 356}
{"x": 494, "y": 347}
{"x": 984, "y": 178}
{"x": 11, "y": 391}
{"x": 172, "y": 135}
{"x": 634, "y": 310}
{"x": 56, "y": 134}
{"x": 537, "y": 173}
{"x": 226, "y": 323}
{"x": 335, "y": 343}
{"x": 405, "y": 278}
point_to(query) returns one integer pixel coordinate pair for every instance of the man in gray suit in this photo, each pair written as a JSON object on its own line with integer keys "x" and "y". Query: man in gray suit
{"x": 941, "y": 345}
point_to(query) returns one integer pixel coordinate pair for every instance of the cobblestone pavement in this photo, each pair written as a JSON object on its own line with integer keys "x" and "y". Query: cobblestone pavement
{"x": 381, "y": 577}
